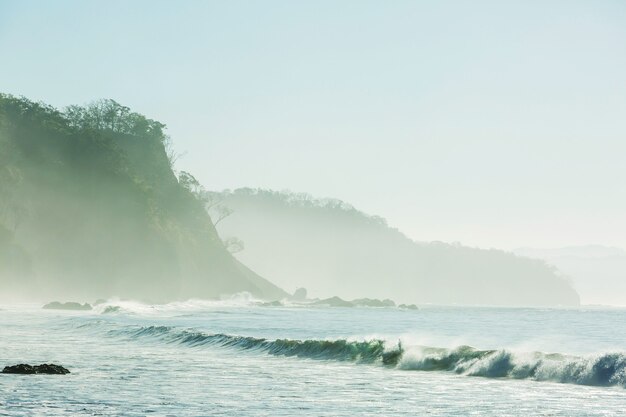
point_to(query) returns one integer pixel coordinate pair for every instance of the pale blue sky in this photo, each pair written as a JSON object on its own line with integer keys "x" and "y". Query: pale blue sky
{"x": 492, "y": 123}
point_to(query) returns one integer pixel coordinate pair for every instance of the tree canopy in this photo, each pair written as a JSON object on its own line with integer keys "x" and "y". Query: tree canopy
{"x": 90, "y": 197}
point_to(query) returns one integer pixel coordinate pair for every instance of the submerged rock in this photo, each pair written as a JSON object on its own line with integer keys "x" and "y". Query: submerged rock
{"x": 272, "y": 304}
{"x": 55, "y": 305}
{"x": 333, "y": 302}
{"x": 45, "y": 368}
{"x": 111, "y": 309}
{"x": 373, "y": 302}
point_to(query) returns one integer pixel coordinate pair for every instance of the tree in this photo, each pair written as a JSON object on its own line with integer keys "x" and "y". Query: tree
{"x": 172, "y": 155}
{"x": 190, "y": 183}
{"x": 221, "y": 212}
{"x": 110, "y": 115}
{"x": 233, "y": 244}
{"x": 212, "y": 201}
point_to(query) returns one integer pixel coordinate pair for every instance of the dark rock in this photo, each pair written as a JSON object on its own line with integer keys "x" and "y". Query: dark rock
{"x": 272, "y": 304}
{"x": 299, "y": 295}
{"x": 373, "y": 302}
{"x": 111, "y": 309}
{"x": 45, "y": 368}
{"x": 55, "y": 305}
{"x": 333, "y": 302}
{"x": 408, "y": 306}
{"x": 22, "y": 368}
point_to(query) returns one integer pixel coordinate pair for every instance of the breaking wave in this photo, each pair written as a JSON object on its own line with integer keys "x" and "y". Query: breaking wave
{"x": 114, "y": 305}
{"x": 607, "y": 369}
{"x": 339, "y": 350}
{"x": 600, "y": 370}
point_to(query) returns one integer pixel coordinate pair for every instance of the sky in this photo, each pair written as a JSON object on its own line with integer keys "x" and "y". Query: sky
{"x": 490, "y": 123}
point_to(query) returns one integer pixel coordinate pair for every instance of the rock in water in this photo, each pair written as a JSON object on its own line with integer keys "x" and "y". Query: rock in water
{"x": 299, "y": 295}
{"x": 70, "y": 305}
{"x": 22, "y": 368}
{"x": 272, "y": 304}
{"x": 111, "y": 309}
{"x": 333, "y": 302}
{"x": 50, "y": 368}
{"x": 45, "y": 368}
{"x": 373, "y": 302}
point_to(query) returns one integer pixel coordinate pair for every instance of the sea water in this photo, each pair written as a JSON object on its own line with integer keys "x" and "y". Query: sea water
{"x": 238, "y": 358}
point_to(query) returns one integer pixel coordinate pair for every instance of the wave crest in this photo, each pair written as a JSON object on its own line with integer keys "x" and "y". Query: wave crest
{"x": 339, "y": 350}
{"x": 600, "y": 370}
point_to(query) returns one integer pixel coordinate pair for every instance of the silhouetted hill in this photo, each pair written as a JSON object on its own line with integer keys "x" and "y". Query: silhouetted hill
{"x": 598, "y": 272}
{"x": 332, "y": 249}
{"x": 90, "y": 207}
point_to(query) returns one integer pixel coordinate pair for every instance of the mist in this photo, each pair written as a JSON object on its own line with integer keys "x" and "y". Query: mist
{"x": 493, "y": 125}
{"x": 331, "y": 248}
{"x": 597, "y": 272}
{"x": 91, "y": 208}
{"x": 326, "y": 208}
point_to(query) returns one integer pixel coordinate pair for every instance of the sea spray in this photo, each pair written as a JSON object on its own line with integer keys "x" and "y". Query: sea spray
{"x": 600, "y": 370}
{"x": 607, "y": 369}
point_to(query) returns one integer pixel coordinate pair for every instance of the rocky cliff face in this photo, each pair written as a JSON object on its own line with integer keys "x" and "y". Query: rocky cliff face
{"x": 90, "y": 207}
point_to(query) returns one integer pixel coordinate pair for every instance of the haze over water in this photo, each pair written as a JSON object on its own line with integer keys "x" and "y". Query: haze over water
{"x": 329, "y": 208}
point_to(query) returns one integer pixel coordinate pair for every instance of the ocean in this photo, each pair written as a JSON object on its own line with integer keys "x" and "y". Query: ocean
{"x": 238, "y": 358}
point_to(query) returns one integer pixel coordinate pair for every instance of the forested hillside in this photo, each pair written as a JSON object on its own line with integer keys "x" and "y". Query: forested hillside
{"x": 90, "y": 207}
{"x": 331, "y": 248}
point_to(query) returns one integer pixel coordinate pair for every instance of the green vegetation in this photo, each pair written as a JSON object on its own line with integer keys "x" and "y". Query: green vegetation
{"x": 331, "y": 248}
{"x": 90, "y": 207}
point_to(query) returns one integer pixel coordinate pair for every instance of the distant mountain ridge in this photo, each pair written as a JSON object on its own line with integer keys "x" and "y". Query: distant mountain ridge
{"x": 598, "y": 272}
{"x": 585, "y": 251}
{"x": 332, "y": 248}
{"x": 90, "y": 208}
